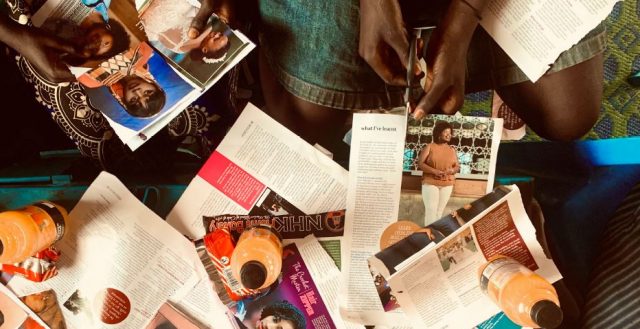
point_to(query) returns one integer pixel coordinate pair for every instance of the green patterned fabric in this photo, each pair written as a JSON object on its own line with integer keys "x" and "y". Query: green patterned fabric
{"x": 620, "y": 111}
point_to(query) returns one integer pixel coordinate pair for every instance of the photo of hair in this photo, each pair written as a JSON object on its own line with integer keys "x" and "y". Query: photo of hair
{"x": 96, "y": 37}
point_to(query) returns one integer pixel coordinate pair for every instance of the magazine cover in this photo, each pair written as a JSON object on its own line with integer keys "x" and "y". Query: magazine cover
{"x": 294, "y": 301}
{"x": 98, "y": 34}
{"x": 136, "y": 88}
{"x": 202, "y": 60}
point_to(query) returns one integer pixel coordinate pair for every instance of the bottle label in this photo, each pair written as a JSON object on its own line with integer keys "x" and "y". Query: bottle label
{"x": 56, "y": 216}
{"x": 498, "y": 272}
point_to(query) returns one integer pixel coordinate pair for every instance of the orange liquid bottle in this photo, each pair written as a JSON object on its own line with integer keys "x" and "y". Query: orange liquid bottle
{"x": 26, "y": 231}
{"x": 256, "y": 261}
{"x": 524, "y": 296}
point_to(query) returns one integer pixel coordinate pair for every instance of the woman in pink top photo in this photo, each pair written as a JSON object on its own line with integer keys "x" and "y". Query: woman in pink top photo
{"x": 439, "y": 164}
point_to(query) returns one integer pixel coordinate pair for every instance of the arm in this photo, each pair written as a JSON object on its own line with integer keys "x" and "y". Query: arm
{"x": 446, "y": 52}
{"x": 456, "y": 167}
{"x": 43, "y": 50}
{"x": 422, "y": 162}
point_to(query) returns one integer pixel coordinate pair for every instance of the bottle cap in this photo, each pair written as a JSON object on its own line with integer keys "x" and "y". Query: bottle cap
{"x": 546, "y": 314}
{"x": 253, "y": 274}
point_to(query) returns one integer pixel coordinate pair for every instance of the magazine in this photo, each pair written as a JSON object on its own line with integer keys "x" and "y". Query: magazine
{"x": 304, "y": 296}
{"x": 389, "y": 183}
{"x": 202, "y": 60}
{"x": 259, "y": 168}
{"x": 436, "y": 282}
{"x": 16, "y": 315}
{"x": 139, "y": 88}
{"x": 168, "y": 317}
{"x": 262, "y": 169}
{"x": 119, "y": 261}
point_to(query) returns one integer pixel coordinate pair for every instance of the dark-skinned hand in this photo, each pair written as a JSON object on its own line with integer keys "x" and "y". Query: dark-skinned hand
{"x": 446, "y": 62}
{"x": 384, "y": 43}
{"x": 224, "y": 9}
{"x": 46, "y": 53}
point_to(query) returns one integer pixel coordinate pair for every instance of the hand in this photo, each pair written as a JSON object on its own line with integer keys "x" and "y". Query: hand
{"x": 446, "y": 60}
{"x": 224, "y": 9}
{"x": 46, "y": 52}
{"x": 440, "y": 174}
{"x": 383, "y": 40}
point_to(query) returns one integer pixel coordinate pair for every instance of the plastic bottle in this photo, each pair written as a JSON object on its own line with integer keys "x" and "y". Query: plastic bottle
{"x": 524, "y": 296}
{"x": 256, "y": 261}
{"x": 31, "y": 229}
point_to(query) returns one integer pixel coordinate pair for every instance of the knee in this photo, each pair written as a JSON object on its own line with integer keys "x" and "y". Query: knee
{"x": 568, "y": 124}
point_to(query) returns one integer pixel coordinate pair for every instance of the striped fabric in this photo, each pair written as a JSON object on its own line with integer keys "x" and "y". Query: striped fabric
{"x": 613, "y": 300}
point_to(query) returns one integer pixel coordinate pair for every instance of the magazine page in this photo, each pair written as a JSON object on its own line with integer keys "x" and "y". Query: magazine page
{"x": 410, "y": 171}
{"x": 168, "y": 317}
{"x": 305, "y": 295}
{"x": 439, "y": 289}
{"x": 98, "y": 36}
{"x": 534, "y": 33}
{"x": 261, "y": 168}
{"x": 119, "y": 261}
{"x": 16, "y": 315}
{"x": 134, "y": 90}
{"x": 202, "y": 60}
{"x": 375, "y": 173}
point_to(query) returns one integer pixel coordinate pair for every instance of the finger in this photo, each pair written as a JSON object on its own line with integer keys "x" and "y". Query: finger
{"x": 400, "y": 44}
{"x": 384, "y": 71}
{"x": 431, "y": 98}
{"x": 452, "y": 104}
{"x": 200, "y": 20}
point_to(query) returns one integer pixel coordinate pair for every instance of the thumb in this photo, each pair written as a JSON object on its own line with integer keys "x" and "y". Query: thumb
{"x": 200, "y": 20}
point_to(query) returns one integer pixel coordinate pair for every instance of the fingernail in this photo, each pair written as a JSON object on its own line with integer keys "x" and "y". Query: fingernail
{"x": 193, "y": 33}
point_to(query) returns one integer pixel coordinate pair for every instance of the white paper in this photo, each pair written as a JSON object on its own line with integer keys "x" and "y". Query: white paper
{"x": 377, "y": 145}
{"x": 259, "y": 151}
{"x": 115, "y": 243}
{"x": 534, "y": 33}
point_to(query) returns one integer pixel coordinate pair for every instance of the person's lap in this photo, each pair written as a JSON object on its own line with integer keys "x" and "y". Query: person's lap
{"x": 316, "y": 67}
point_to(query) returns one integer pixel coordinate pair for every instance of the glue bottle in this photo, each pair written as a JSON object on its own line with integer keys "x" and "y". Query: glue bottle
{"x": 256, "y": 261}
{"x": 26, "y": 231}
{"x": 525, "y": 297}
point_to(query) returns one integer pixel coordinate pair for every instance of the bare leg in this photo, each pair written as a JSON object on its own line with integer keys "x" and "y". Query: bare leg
{"x": 560, "y": 106}
{"x": 314, "y": 123}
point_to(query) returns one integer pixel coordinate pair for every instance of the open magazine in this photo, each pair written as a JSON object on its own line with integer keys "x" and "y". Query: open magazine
{"x": 202, "y": 60}
{"x": 388, "y": 154}
{"x": 119, "y": 261}
{"x": 262, "y": 169}
{"x": 131, "y": 77}
{"x": 435, "y": 281}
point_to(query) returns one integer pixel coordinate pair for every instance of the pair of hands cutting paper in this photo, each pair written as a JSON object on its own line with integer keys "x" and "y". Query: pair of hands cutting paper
{"x": 384, "y": 45}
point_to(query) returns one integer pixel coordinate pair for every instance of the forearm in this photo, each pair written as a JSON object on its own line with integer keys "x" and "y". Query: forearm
{"x": 429, "y": 170}
{"x": 462, "y": 18}
{"x": 10, "y": 32}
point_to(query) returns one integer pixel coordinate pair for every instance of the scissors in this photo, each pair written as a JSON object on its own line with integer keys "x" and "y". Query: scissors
{"x": 411, "y": 63}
